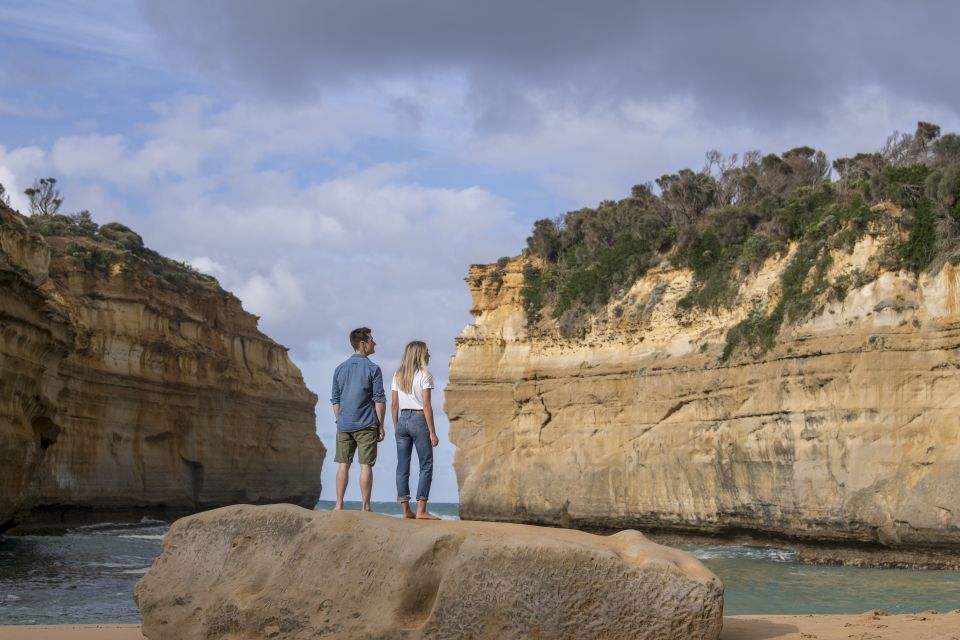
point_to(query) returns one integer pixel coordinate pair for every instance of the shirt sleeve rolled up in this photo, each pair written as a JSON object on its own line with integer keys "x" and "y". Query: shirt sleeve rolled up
{"x": 378, "y": 394}
{"x": 335, "y": 391}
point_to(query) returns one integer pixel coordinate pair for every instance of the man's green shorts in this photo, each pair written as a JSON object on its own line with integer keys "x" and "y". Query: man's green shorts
{"x": 364, "y": 439}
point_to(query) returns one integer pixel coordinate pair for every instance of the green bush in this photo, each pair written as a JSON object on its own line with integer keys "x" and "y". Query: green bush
{"x": 805, "y": 208}
{"x": 724, "y": 221}
{"x": 92, "y": 258}
{"x": 755, "y": 251}
{"x": 904, "y": 185}
{"x": 122, "y": 236}
{"x": 59, "y": 225}
{"x": 918, "y": 250}
{"x": 800, "y": 290}
{"x": 757, "y": 331}
{"x": 532, "y": 292}
{"x": 943, "y": 188}
{"x": 619, "y": 265}
{"x": 840, "y": 287}
{"x": 855, "y": 217}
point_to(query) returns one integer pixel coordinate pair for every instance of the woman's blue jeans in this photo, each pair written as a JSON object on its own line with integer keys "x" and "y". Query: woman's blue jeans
{"x": 412, "y": 432}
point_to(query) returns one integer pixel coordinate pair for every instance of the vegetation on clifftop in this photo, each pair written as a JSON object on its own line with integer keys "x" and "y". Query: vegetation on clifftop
{"x": 97, "y": 248}
{"x": 724, "y": 221}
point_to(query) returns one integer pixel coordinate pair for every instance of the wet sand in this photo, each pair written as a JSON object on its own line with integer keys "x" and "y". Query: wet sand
{"x": 71, "y": 632}
{"x": 869, "y": 626}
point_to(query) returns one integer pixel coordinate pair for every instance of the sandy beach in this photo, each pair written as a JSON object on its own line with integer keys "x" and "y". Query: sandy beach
{"x": 928, "y": 625}
{"x": 71, "y": 632}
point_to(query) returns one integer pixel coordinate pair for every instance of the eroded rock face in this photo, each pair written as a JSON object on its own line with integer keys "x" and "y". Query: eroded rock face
{"x": 284, "y": 572}
{"x": 848, "y": 430}
{"x": 120, "y": 391}
{"x": 35, "y": 337}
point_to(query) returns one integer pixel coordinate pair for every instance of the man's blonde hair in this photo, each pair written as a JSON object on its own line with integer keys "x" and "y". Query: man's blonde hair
{"x": 414, "y": 359}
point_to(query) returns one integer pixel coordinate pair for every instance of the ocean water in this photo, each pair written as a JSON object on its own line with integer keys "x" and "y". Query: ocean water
{"x": 87, "y": 575}
{"x": 446, "y": 510}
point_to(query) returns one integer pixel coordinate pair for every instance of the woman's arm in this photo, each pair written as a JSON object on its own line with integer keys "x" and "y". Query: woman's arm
{"x": 395, "y": 408}
{"x": 428, "y": 414}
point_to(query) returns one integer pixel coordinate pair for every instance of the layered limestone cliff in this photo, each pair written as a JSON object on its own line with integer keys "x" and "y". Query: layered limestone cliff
{"x": 846, "y": 431}
{"x": 121, "y": 389}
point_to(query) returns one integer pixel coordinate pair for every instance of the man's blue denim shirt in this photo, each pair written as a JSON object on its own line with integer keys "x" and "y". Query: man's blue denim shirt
{"x": 357, "y": 385}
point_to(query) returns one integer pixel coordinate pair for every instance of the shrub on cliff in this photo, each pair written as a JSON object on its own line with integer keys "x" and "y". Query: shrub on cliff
{"x": 92, "y": 258}
{"x": 76, "y": 224}
{"x": 724, "y": 221}
{"x": 532, "y": 292}
{"x": 116, "y": 243}
{"x": 919, "y": 249}
{"x": 122, "y": 236}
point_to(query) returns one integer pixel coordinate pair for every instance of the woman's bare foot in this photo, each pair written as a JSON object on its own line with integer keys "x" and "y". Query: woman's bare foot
{"x": 422, "y": 513}
{"x": 407, "y": 513}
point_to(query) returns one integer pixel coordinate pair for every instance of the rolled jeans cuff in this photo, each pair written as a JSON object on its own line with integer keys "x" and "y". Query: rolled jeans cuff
{"x": 403, "y": 498}
{"x": 419, "y": 498}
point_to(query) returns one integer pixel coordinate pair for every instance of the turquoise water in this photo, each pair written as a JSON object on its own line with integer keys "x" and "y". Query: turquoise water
{"x": 767, "y": 580}
{"x": 87, "y": 575}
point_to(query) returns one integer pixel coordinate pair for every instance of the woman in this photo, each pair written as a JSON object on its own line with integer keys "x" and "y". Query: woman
{"x": 413, "y": 419}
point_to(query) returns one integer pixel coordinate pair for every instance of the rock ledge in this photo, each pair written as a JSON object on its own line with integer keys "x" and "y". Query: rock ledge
{"x": 281, "y": 571}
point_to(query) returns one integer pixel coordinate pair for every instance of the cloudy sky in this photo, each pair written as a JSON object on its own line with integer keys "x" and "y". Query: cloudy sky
{"x": 338, "y": 164}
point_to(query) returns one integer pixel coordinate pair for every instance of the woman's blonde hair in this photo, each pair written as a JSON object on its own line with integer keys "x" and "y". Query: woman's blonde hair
{"x": 414, "y": 359}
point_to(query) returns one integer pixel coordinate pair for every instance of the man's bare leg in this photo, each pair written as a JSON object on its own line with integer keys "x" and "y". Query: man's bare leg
{"x": 422, "y": 513}
{"x": 343, "y": 476}
{"x": 405, "y": 505}
{"x": 366, "y": 485}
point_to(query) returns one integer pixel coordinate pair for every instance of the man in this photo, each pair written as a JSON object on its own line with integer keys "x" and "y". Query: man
{"x": 359, "y": 405}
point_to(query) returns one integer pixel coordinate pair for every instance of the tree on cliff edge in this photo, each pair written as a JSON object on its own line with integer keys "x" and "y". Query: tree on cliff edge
{"x": 45, "y": 199}
{"x": 4, "y": 196}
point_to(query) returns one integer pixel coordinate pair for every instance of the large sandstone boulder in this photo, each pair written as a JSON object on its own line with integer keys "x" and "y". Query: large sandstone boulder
{"x": 285, "y": 572}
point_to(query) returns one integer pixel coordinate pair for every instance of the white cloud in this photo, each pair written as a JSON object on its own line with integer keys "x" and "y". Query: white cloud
{"x": 277, "y": 297}
{"x": 203, "y": 264}
{"x": 94, "y": 156}
{"x": 18, "y": 169}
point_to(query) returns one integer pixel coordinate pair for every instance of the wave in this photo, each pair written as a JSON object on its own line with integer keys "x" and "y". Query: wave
{"x": 10, "y": 598}
{"x": 143, "y": 536}
{"x": 97, "y": 526}
{"x": 140, "y": 571}
{"x": 743, "y": 552}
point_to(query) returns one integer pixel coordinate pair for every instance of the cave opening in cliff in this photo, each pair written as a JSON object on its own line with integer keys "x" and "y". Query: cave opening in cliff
{"x": 47, "y": 430}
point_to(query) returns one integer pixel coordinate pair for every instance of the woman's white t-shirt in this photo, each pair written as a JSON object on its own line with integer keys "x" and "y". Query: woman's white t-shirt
{"x": 421, "y": 380}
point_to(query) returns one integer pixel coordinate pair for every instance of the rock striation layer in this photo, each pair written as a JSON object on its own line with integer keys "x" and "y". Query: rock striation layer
{"x": 284, "y": 572}
{"x": 122, "y": 391}
{"x": 846, "y": 431}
